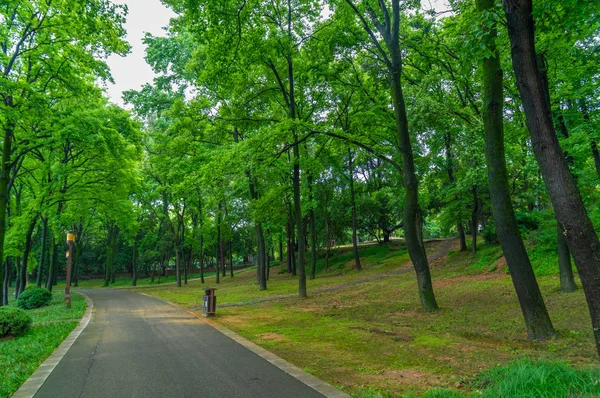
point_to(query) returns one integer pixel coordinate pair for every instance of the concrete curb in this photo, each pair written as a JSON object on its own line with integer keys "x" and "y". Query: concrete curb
{"x": 37, "y": 379}
{"x": 313, "y": 382}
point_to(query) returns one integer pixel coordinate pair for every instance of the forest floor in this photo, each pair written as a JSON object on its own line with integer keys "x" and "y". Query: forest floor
{"x": 365, "y": 333}
{"x": 21, "y": 356}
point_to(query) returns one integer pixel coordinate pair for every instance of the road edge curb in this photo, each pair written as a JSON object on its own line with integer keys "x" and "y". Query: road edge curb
{"x": 38, "y": 378}
{"x": 311, "y": 381}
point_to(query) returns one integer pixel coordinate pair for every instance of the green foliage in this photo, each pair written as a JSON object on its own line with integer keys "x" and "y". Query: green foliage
{"x": 14, "y": 321}
{"x": 489, "y": 235}
{"x": 34, "y": 298}
{"x": 539, "y": 379}
{"x": 31, "y": 286}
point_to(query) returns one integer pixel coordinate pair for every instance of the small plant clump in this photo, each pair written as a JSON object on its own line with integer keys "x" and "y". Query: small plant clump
{"x": 34, "y": 298}
{"x": 13, "y": 321}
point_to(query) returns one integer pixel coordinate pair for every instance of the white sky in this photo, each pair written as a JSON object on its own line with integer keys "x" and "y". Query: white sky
{"x": 131, "y": 72}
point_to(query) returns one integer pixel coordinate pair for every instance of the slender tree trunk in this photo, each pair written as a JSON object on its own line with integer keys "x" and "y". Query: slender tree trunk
{"x": 231, "y": 259}
{"x": 6, "y": 281}
{"x": 53, "y": 265}
{"x": 474, "y": 223}
{"x": 261, "y": 260}
{"x": 313, "y": 231}
{"x": 218, "y": 254}
{"x": 4, "y": 190}
{"x": 353, "y": 208}
{"x": 290, "y": 247}
{"x": 567, "y": 281}
{"x": 564, "y": 194}
{"x": 41, "y": 265}
{"x": 109, "y": 256}
{"x": 134, "y": 264}
{"x": 280, "y": 249}
{"x": 24, "y": 264}
{"x": 461, "y": 237}
{"x": 534, "y": 310}
{"x": 412, "y": 212}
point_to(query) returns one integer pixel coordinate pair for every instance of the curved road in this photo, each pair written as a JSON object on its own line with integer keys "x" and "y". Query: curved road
{"x": 138, "y": 346}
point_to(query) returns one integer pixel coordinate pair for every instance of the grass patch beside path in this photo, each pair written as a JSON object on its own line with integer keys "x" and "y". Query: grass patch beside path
{"x": 121, "y": 282}
{"x": 372, "y": 339}
{"x": 21, "y": 356}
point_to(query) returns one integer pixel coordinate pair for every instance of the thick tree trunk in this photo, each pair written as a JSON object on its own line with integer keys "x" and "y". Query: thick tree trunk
{"x": 534, "y": 310}
{"x": 566, "y": 199}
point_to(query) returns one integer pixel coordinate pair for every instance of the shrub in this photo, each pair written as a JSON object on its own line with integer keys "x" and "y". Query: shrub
{"x": 489, "y": 235}
{"x": 540, "y": 379}
{"x": 30, "y": 286}
{"x": 34, "y": 298}
{"x": 13, "y": 321}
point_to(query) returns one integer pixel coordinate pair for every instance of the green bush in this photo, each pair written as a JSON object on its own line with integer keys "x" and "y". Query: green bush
{"x": 489, "y": 235}
{"x": 540, "y": 379}
{"x": 13, "y": 321}
{"x": 34, "y": 298}
{"x": 30, "y": 286}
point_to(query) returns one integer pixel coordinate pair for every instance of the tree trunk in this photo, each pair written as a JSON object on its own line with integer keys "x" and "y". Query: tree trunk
{"x": 412, "y": 212}
{"x": 53, "y": 265}
{"x": 564, "y": 194}
{"x": 280, "y": 249}
{"x": 41, "y": 264}
{"x": 261, "y": 260}
{"x": 461, "y": 237}
{"x": 231, "y": 259}
{"x": 4, "y": 190}
{"x": 313, "y": 231}
{"x": 290, "y": 246}
{"x": 534, "y": 310}
{"x": 6, "y": 281}
{"x": 24, "y": 264}
{"x": 109, "y": 256}
{"x": 134, "y": 264}
{"x": 353, "y": 207}
{"x": 474, "y": 223}
{"x": 567, "y": 281}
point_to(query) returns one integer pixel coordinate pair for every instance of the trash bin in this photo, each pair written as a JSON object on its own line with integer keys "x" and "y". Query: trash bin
{"x": 209, "y": 302}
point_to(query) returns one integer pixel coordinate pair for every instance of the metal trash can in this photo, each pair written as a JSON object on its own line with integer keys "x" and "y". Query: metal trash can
{"x": 209, "y": 302}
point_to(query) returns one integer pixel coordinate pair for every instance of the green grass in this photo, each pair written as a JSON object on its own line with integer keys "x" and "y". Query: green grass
{"x": 21, "y": 356}
{"x": 539, "y": 379}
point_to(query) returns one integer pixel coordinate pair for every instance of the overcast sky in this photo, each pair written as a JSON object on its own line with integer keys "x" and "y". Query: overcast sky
{"x": 132, "y": 72}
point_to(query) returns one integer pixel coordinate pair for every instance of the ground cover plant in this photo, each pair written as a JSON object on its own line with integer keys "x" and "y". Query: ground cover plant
{"x": 20, "y": 356}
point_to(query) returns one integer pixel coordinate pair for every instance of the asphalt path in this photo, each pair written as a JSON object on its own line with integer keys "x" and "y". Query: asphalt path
{"x": 139, "y": 346}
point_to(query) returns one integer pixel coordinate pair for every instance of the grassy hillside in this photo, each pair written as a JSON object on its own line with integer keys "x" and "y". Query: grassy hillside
{"x": 365, "y": 332}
